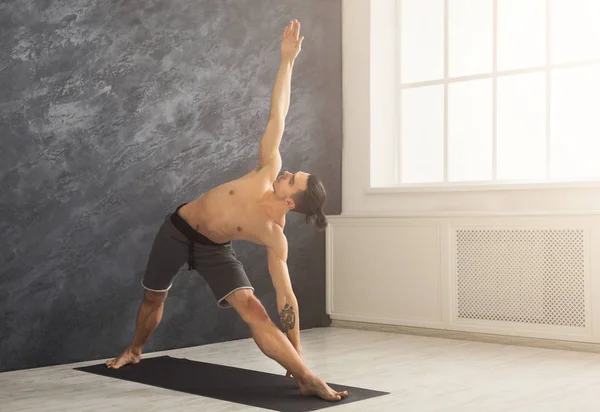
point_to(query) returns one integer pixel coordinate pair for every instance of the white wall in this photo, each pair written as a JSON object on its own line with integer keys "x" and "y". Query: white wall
{"x": 389, "y": 255}
{"x": 368, "y": 119}
{"x": 405, "y": 271}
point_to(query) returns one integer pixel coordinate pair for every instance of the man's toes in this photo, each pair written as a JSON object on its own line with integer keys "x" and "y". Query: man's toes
{"x": 113, "y": 364}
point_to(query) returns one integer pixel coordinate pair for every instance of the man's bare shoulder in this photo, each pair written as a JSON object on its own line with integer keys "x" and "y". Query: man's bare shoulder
{"x": 273, "y": 236}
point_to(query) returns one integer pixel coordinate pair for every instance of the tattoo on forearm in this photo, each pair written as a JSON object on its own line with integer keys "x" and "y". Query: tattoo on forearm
{"x": 288, "y": 317}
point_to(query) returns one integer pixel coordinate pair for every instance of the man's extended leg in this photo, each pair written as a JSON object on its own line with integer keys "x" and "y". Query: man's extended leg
{"x": 273, "y": 343}
{"x": 149, "y": 315}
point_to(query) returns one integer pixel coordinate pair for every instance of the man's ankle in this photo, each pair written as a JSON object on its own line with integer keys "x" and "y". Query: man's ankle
{"x": 136, "y": 350}
{"x": 305, "y": 376}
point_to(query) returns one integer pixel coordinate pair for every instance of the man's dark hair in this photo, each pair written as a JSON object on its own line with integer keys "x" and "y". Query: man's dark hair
{"x": 310, "y": 202}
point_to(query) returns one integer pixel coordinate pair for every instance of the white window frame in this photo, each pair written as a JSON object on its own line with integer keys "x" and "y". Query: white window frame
{"x": 493, "y": 184}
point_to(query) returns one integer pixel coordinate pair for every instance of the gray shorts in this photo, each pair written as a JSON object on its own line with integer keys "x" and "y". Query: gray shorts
{"x": 177, "y": 243}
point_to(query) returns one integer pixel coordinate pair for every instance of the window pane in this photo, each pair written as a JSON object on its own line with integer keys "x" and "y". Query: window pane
{"x": 521, "y": 127}
{"x": 422, "y": 135}
{"x": 470, "y": 130}
{"x": 422, "y": 40}
{"x": 470, "y": 32}
{"x": 521, "y": 34}
{"x": 575, "y": 125}
{"x": 575, "y": 30}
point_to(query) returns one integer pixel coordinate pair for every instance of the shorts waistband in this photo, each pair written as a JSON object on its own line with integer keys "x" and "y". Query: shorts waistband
{"x": 192, "y": 234}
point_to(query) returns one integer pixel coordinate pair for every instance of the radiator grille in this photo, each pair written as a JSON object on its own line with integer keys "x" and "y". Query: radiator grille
{"x": 531, "y": 276}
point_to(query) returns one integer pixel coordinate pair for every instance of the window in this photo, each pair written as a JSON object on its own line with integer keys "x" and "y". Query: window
{"x": 497, "y": 91}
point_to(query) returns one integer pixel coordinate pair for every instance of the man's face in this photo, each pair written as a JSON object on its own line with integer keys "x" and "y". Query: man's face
{"x": 288, "y": 184}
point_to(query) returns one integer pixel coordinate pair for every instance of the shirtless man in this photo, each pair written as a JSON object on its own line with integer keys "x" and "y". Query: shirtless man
{"x": 252, "y": 208}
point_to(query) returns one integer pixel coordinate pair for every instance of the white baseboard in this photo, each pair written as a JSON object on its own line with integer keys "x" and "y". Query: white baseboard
{"x": 471, "y": 336}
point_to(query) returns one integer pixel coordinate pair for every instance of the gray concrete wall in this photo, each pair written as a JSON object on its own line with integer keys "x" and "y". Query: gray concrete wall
{"x": 111, "y": 114}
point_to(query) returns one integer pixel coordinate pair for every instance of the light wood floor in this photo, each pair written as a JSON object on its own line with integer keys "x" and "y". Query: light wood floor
{"x": 423, "y": 374}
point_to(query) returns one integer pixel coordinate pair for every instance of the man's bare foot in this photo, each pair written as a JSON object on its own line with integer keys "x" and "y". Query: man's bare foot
{"x": 315, "y": 386}
{"x": 127, "y": 357}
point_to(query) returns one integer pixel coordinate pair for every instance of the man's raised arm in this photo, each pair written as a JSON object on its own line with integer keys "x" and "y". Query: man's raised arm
{"x": 268, "y": 155}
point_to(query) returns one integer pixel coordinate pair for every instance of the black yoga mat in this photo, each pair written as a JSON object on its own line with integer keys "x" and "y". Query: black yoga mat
{"x": 248, "y": 387}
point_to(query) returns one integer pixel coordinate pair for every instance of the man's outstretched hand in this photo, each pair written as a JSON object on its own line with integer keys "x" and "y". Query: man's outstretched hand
{"x": 292, "y": 42}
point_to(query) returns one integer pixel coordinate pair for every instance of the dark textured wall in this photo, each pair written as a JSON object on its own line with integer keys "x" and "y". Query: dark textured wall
{"x": 111, "y": 114}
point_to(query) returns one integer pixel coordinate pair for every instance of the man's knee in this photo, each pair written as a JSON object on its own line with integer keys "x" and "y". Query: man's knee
{"x": 154, "y": 298}
{"x": 248, "y": 306}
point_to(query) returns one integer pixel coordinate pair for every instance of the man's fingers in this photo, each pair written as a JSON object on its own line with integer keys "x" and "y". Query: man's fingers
{"x": 297, "y": 29}
{"x": 292, "y": 29}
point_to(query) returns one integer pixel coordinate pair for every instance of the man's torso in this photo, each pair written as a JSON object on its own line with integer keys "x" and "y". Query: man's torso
{"x": 231, "y": 211}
